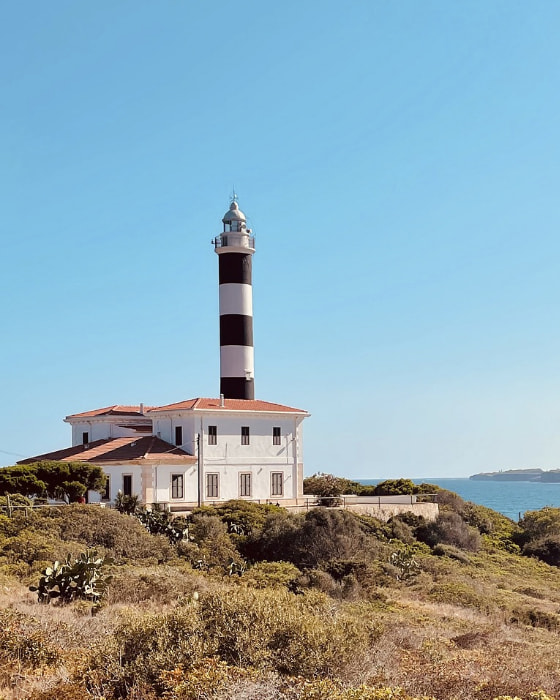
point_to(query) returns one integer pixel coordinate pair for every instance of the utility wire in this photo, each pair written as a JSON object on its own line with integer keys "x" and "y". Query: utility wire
{"x": 14, "y": 454}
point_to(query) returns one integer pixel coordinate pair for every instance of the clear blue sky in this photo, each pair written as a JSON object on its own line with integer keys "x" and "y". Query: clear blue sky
{"x": 399, "y": 163}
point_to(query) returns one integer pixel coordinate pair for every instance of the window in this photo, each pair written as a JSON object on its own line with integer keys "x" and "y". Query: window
{"x": 178, "y": 434}
{"x": 212, "y": 485}
{"x": 176, "y": 486}
{"x": 245, "y": 435}
{"x": 127, "y": 484}
{"x": 212, "y": 434}
{"x": 244, "y": 484}
{"x": 277, "y": 484}
{"x": 106, "y": 495}
{"x": 85, "y": 438}
{"x": 275, "y": 436}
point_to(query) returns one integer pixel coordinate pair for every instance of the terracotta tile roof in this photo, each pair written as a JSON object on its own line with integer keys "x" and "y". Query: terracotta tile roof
{"x": 116, "y": 410}
{"x": 118, "y": 450}
{"x": 229, "y": 405}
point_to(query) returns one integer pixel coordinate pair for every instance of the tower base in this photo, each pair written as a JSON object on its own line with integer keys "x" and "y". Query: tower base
{"x": 237, "y": 388}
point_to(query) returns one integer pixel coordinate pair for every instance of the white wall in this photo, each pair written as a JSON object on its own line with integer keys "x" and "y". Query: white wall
{"x": 115, "y": 474}
{"x": 229, "y": 448}
{"x": 162, "y": 483}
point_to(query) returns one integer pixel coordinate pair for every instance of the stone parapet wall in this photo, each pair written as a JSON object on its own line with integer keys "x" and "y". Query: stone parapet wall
{"x": 384, "y": 511}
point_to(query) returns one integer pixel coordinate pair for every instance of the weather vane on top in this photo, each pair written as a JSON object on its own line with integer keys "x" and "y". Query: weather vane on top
{"x": 233, "y": 194}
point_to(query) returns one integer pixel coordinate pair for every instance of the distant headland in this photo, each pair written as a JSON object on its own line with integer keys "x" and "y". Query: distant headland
{"x": 551, "y": 476}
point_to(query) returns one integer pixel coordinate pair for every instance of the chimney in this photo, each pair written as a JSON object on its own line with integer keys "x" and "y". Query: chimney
{"x": 222, "y": 401}
{"x": 141, "y": 409}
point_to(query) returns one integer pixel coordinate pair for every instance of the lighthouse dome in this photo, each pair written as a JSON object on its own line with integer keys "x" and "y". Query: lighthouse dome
{"x": 234, "y": 213}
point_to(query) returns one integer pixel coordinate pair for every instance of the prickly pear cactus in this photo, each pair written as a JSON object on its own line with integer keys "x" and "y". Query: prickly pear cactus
{"x": 81, "y": 579}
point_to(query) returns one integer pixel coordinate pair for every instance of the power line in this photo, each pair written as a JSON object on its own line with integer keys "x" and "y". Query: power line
{"x": 14, "y": 454}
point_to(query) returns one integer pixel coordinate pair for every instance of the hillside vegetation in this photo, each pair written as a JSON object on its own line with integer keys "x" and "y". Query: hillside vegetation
{"x": 245, "y": 601}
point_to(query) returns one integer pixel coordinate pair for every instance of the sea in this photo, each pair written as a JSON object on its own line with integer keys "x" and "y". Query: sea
{"x": 512, "y": 498}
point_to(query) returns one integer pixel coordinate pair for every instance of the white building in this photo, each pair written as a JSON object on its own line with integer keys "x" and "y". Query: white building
{"x": 202, "y": 450}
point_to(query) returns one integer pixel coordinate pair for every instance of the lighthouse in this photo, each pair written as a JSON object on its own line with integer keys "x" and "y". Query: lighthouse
{"x": 235, "y": 247}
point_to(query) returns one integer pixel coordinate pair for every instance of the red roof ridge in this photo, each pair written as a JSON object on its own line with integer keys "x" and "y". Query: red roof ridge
{"x": 116, "y": 409}
{"x": 204, "y": 403}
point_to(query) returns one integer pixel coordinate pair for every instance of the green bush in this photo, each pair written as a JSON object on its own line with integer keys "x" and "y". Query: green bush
{"x": 23, "y": 640}
{"x": 546, "y": 549}
{"x": 241, "y": 517}
{"x": 277, "y": 540}
{"x": 533, "y": 617}
{"x": 457, "y": 593}
{"x": 28, "y": 547}
{"x": 537, "y": 524}
{"x": 158, "y": 584}
{"x": 325, "y": 535}
{"x": 298, "y": 635}
{"x": 271, "y": 574}
{"x": 327, "y": 485}
{"x": 395, "y": 487}
{"x": 449, "y": 501}
{"x": 214, "y": 547}
{"x": 449, "y": 528}
{"x": 142, "y": 648}
{"x": 123, "y": 537}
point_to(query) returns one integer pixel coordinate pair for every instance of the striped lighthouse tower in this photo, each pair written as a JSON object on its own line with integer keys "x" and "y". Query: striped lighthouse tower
{"x": 235, "y": 247}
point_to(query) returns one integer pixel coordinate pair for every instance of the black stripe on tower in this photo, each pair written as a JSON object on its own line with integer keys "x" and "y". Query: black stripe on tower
{"x": 236, "y": 329}
{"x": 235, "y": 267}
{"x": 237, "y": 388}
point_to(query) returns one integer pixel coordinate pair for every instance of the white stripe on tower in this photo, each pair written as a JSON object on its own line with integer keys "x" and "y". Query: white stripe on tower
{"x": 235, "y": 248}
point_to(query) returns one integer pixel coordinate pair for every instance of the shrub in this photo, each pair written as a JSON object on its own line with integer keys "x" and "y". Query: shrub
{"x": 15, "y": 501}
{"x": 271, "y": 574}
{"x": 207, "y": 679}
{"x": 449, "y": 528}
{"x": 122, "y": 536}
{"x": 546, "y": 549}
{"x": 537, "y": 524}
{"x": 271, "y": 630}
{"x": 400, "y": 530}
{"x": 297, "y": 635}
{"x": 63, "y": 691}
{"x": 161, "y": 583}
{"x": 448, "y": 550}
{"x": 534, "y": 617}
{"x": 144, "y": 647}
{"x": 395, "y": 487}
{"x": 29, "y": 547}
{"x": 325, "y": 535}
{"x": 457, "y": 593}
{"x": 278, "y": 539}
{"x": 214, "y": 545}
{"x": 241, "y": 517}
{"x": 499, "y": 530}
{"x": 449, "y": 501}
{"x": 23, "y": 640}
{"x": 325, "y": 485}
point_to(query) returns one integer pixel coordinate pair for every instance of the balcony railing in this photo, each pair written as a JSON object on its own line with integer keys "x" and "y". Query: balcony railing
{"x": 234, "y": 240}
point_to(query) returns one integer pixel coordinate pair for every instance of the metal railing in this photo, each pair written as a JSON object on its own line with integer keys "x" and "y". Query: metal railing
{"x": 237, "y": 240}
